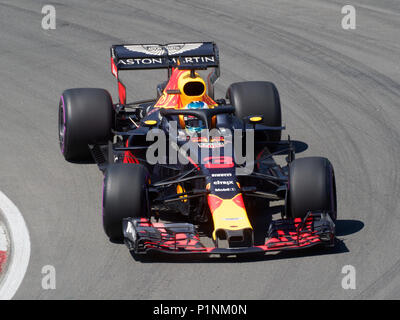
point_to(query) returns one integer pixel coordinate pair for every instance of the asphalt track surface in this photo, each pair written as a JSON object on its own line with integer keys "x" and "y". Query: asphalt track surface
{"x": 340, "y": 92}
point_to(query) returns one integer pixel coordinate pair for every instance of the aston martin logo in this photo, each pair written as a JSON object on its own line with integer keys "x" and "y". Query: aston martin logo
{"x": 158, "y": 50}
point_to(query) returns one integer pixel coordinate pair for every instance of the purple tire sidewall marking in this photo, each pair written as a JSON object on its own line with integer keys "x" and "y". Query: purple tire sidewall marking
{"x": 102, "y": 199}
{"x": 63, "y": 107}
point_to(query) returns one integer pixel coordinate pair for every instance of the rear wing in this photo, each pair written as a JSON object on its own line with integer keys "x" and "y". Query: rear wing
{"x": 157, "y": 56}
{"x": 193, "y": 55}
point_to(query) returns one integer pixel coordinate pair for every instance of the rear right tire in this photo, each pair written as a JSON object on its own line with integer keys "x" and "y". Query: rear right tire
{"x": 253, "y": 98}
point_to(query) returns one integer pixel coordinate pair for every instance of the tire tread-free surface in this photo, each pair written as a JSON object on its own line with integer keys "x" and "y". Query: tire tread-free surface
{"x": 124, "y": 196}
{"x": 311, "y": 187}
{"x": 87, "y": 118}
{"x": 260, "y": 98}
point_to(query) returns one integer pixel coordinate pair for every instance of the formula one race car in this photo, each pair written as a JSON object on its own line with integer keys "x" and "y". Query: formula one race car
{"x": 174, "y": 171}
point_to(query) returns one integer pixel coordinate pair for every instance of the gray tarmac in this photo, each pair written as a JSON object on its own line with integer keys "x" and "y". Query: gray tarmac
{"x": 340, "y": 93}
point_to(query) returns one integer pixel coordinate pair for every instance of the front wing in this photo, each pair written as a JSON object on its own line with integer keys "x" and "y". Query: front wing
{"x": 143, "y": 236}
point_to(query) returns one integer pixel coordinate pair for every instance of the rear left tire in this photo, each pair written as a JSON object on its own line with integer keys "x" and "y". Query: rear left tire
{"x": 85, "y": 117}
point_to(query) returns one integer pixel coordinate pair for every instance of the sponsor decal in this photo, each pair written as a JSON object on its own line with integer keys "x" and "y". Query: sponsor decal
{"x": 224, "y": 189}
{"x": 227, "y": 183}
{"x": 211, "y": 145}
{"x": 218, "y": 175}
{"x": 140, "y": 61}
{"x": 161, "y": 61}
{"x": 159, "y": 50}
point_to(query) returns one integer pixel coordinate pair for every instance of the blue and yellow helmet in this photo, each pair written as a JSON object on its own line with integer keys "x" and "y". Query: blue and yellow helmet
{"x": 192, "y": 123}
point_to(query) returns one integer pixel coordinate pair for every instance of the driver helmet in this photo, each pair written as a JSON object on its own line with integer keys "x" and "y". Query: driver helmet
{"x": 192, "y": 123}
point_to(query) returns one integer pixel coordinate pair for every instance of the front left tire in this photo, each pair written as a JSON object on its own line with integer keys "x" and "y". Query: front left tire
{"x": 124, "y": 196}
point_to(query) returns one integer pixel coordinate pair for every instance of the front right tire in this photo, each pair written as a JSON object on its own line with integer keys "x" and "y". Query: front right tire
{"x": 312, "y": 187}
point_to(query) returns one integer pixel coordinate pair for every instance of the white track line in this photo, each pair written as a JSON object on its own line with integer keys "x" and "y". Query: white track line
{"x": 20, "y": 250}
{"x": 3, "y": 239}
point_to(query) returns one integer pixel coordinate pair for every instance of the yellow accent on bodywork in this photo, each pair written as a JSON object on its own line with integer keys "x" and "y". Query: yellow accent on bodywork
{"x": 256, "y": 119}
{"x": 230, "y": 216}
{"x": 181, "y": 189}
{"x": 150, "y": 122}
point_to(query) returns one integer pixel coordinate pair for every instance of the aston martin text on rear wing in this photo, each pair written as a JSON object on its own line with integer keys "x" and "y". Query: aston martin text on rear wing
{"x": 156, "y": 56}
